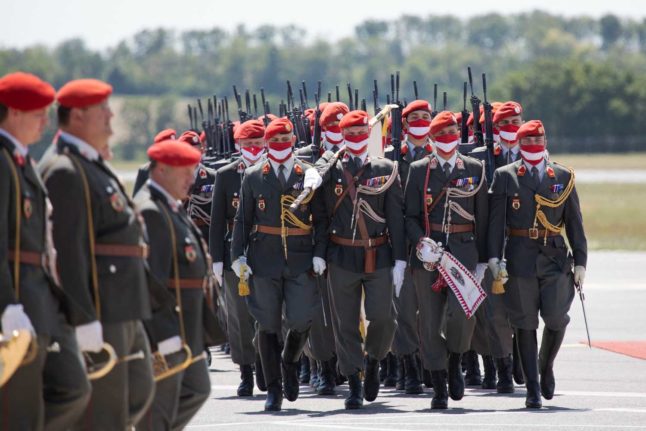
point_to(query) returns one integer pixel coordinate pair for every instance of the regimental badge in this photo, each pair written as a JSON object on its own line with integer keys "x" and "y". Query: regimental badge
{"x": 298, "y": 170}
{"x": 433, "y": 163}
{"x": 117, "y": 202}
{"x": 428, "y": 148}
{"x": 459, "y": 163}
{"x": 515, "y": 203}
{"x": 550, "y": 172}
{"x": 338, "y": 189}
{"x": 429, "y": 200}
{"x": 202, "y": 173}
{"x": 27, "y": 208}
{"x": 404, "y": 150}
{"x": 190, "y": 253}
{"x": 18, "y": 158}
{"x": 261, "y": 203}
{"x": 266, "y": 168}
{"x": 235, "y": 202}
{"x": 497, "y": 150}
{"x": 521, "y": 170}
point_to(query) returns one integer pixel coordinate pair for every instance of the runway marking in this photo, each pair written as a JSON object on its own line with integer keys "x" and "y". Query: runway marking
{"x": 621, "y": 410}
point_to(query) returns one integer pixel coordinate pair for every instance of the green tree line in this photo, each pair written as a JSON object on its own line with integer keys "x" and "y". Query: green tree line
{"x": 584, "y": 77}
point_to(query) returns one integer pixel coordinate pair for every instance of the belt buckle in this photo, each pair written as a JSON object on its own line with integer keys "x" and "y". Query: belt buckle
{"x": 446, "y": 228}
{"x": 144, "y": 250}
{"x": 533, "y": 233}
{"x": 370, "y": 242}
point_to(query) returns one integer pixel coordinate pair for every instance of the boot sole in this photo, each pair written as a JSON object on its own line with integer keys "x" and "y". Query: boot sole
{"x": 508, "y": 390}
{"x": 415, "y": 390}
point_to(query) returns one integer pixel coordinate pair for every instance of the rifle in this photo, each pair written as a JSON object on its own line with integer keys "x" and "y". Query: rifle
{"x": 445, "y": 104}
{"x": 350, "y": 104}
{"x": 363, "y": 105}
{"x": 396, "y": 123}
{"x": 434, "y": 111}
{"x": 316, "y": 139}
{"x": 464, "y": 128}
{"x": 488, "y": 120}
{"x": 475, "y": 108}
{"x": 190, "y": 117}
{"x": 337, "y": 93}
{"x": 415, "y": 90}
{"x": 356, "y": 98}
{"x": 265, "y": 107}
{"x": 306, "y": 104}
{"x": 242, "y": 116}
{"x": 255, "y": 106}
{"x": 375, "y": 97}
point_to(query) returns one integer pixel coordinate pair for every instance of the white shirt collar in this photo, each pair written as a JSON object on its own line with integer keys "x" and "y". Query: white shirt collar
{"x": 363, "y": 156}
{"x": 172, "y": 202}
{"x": 289, "y": 164}
{"x": 514, "y": 150}
{"x": 86, "y": 150}
{"x": 541, "y": 168}
{"x": 451, "y": 160}
{"x": 22, "y": 149}
{"x": 329, "y": 145}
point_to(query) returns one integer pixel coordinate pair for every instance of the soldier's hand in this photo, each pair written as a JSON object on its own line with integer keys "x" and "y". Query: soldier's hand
{"x": 398, "y": 276}
{"x": 236, "y": 267}
{"x": 170, "y": 345}
{"x": 579, "y": 275}
{"x": 427, "y": 254}
{"x": 218, "y": 267}
{"x": 312, "y": 179}
{"x": 14, "y": 318}
{"x": 480, "y": 272}
{"x": 318, "y": 265}
{"x": 90, "y": 336}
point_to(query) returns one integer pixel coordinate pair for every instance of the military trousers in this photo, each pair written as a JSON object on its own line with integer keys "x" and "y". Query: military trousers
{"x": 240, "y": 324}
{"x": 406, "y": 339}
{"x": 496, "y": 321}
{"x": 320, "y": 345}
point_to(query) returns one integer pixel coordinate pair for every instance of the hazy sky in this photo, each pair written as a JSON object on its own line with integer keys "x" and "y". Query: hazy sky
{"x": 103, "y": 23}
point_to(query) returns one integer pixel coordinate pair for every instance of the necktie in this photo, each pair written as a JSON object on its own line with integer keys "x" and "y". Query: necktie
{"x": 281, "y": 176}
{"x": 418, "y": 153}
{"x": 334, "y": 148}
{"x": 447, "y": 169}
{"x": 358, "y": 162}
{"x": 535, "y": 176}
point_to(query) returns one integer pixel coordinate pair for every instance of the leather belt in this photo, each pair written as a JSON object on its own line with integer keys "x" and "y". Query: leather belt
{"x": 28, "y": 257}
{"x": 532, "y": 233}
{"x": 370, "y": 242}
{"x": 288, "y": 231}
{"x": 451, "y": 228}
{"x": 200, "y": 223}
{"x": 187, "y": 283}
{"x": 121, "y": 250}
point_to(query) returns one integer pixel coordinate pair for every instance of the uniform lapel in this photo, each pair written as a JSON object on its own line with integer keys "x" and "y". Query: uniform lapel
{"x": 294, "y": 177}
{"x": 269, "y": 176}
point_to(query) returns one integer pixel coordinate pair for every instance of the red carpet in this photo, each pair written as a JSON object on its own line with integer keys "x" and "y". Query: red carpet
{"x": 636, "y": 349}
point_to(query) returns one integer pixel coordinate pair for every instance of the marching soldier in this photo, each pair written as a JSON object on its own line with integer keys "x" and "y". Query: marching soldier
{"x": 142, "y": 172}
{"x": 226, "y": 200}
{"x": 446, "y": 200}
{"x": 532, "y": 201}
{"x": 51, "y": 389}
{"x": 103, "y": 269}
{"x": 178, "y": 262}
{"x": 366, "y": 252}
{"x": 310, "y": 153}
{"x": 417, "y": 122}
{"x": 282, "y": 249}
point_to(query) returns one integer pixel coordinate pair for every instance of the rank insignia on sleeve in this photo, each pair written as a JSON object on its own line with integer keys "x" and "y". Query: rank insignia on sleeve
{"x": 521, "y": 170}
{"x": 117, "y": 202}
{"x": 261, "y": 203}
{"x": 550, "y": 172}
{"x": 429, "y": 200}
{"x": 338, "y": 189}
{"x": 202, "y": 173}
{"x": 515, "y": 203}
{"x": 27, "y": 208}
{"x": 235, "y": 202}
{"x": 190, "y": 253}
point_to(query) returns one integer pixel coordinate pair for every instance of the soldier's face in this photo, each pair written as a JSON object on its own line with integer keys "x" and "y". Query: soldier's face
{"x": 255, "y": 142}
{"x": 96, "y": 121}
{"x": 28, "y": 126}
{"x": 178, "y": 180}
{"x": 516, "y": 120}
{"x": 533, "y": 141}
{"x": 356, "y": 130}
{"x": 417, "y": 115}
{"x": 450, "y": 130}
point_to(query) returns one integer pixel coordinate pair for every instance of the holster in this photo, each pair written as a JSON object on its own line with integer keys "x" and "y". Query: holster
{"x": 369, "y": 259}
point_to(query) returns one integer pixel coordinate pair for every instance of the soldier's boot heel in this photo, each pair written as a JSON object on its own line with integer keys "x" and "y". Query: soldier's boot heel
{"x": 440, "y": 399}
{"x": 489, "y": 380}
{"x": 355, "y": 398}
{"x": 371, "y": 380}
{"x": 472, "y": 376}
{"x": 550, "y": 345}
{"x": 456, "y": 379}
{"x": 294, "y": 343}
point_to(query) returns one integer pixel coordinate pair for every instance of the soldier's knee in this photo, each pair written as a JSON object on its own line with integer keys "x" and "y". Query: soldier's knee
{"x": 556, "y": 322}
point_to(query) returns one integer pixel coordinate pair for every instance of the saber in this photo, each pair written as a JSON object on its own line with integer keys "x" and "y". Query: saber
{"x": 579, "y": 289}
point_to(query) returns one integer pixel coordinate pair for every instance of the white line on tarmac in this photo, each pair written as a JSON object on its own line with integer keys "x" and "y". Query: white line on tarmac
{"x": 462, "y": 425}
{"x": 621, "y": 410}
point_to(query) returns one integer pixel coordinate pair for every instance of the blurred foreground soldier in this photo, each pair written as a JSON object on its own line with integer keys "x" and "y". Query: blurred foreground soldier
{"x": 13, "y": 349}
{"x": 101, "y": 256}
{"x": 446, "y": 201}
{"x": 532, "y": 201}
{"x": 366, "y": 253}
{"x": 226, "y": 201}
{"x": 282, "y": 249}
{"x": 50, "y": 387}
{"x": 143, "y": 171}
{"x": 178, "y": 263}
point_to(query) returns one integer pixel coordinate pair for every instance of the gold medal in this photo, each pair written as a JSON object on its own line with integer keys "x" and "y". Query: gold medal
{"x": 190, "y": 253}
{"x": 515, "y": 203}
{"x": 338, "y": 189}
{"x": 235, "y": 202}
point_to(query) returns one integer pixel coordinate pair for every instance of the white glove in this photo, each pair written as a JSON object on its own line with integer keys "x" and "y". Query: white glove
{"x": 579, "y": 275}
{"x": 480, "y": 272}
{"x": 318, "y": 265}
{"x": 428, "y": 255}
{"x": 236, "y": 268}
{"x": 217, "y": 272}
{"x": 15, "y": 319}
{"x": 170, "y": 345}
{"x": 312, "y": 179}
{"x": 90, "y": 337}
{"x": 495, "y": 267}
{"x": 398, "y": 275}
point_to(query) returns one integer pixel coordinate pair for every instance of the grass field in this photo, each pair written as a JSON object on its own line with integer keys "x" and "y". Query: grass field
{"x": 602, "y": 161}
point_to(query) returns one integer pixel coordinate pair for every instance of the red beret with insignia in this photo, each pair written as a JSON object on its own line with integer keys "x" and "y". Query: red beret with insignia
{"x": 334, "y": 111}
{"x": 506, "y": 110}
{"x": 190, "y": 137}
{"x": 354, "y": 118}
{"x": 530, "y": 128}
{"x": 165, "y": 135}
{"x": 279, "y": 126}
{"x": 416, "y": 105}
{"x": 81, "y": 93}
{"x": 25, "y": 92}
{"x": 252, "y": 129}
{"x": 174, "y": 153}
{"x": 442, "y": 120}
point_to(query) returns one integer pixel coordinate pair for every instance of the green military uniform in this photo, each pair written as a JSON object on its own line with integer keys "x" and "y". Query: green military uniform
{"x": 120, "y": 398}
{"x": 466, "y": 241}
{"x": 179, "y": 397}
{"x": 281, "y": 265}
{"x": 538, "y": 261}
{"x": 52, "y": 390}
{"x": 198, "y": 205}
{"x": 142, "y": 177}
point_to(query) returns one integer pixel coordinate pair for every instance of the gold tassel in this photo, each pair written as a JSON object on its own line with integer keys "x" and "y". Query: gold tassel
{"x": 243, "y": 284}
{"x": 498, "y": 286}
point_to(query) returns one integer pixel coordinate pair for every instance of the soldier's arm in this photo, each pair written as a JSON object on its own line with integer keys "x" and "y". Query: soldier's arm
{"x": 574, "y": 229}
{"x": 218, "y": 220}
{"x": 321, "y": 223}
{"x": 497, "y": 221}
{"x": 243, "y": 220}
{"x": 70, "y": 232}
{"x": 482, "y": 220}
{"x": 394, "y": 202}
{"x": 413, "y": 210}
{"x": 7, "y": 294}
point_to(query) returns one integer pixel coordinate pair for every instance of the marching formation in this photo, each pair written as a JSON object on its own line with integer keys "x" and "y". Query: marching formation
{"x": 323, "y": 246}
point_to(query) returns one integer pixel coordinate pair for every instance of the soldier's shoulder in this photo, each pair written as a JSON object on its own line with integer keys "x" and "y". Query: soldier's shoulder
{"x": 209, "y": 171}
{"x": 144, "y": 201}
{"x": 561, "y": 170}
{"x": 60, "y": 164}
{"x": 229, "y": 167}
{"x": 510, "y": 169}
{"x": 471, "y": 161}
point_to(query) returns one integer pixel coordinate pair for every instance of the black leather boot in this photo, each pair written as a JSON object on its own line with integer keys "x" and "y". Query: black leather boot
{"x": 269, "y": 347}
{"x": 327, "y": 379}
{"x": 505, "y": 383}
{"x": 260, "y": 376}
{"x": 355, "y": 398}
{"x": 472, "y": 376}
{"x": 413, "y": 384}
{"x": 401, "y": 374}
{"x": 294, "y": 343}
{"x": 517, "y": 366}
{"x": 391, "y": 375}
{"x": 528, "y": 349}
{"x": 456, "y": 379}
{"x": 245, "y": 389}
{"x": 304, "y": 373}
{"x": 489, "y": 380}
{"x": 550, "y": 345}
{"x": 371, "y": 379}
{"x": 383, "y": 369}
{"x": 440, "y": 399}
{"x": 314, "y": 374}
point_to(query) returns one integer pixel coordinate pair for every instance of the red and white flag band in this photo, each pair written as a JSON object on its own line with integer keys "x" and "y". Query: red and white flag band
{"x": 463, "y": 284}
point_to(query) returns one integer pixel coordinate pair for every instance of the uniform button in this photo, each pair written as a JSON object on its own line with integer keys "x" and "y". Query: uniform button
{"x": 334, "y": 231}
{"x": 112, "y": 269}
{"x": 177, "y": 308}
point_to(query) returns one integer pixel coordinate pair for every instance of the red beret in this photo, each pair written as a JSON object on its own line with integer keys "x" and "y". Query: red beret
{"x": 190, "y": 137}
{"x": 458, "y": 117}
{"x": 309, "y": 112}
{"x": 354, "y": 118}
{"x": 530, "y": 128}
{"x": 174, "y": 153}
{"x": 203, "y": 137}
{"x": 442, "y": 119}
{"x": 25, "y": 92}
{"x": 506, "y": 110}
{"x": 165, "y": 135}
{"x": 251, "y": 129}
{"x": 83, "y": 92}
{"x": 271, "y": 117}
{"x": 334, "y": 111}
{"x": 279, "y": 126}
{"x": 416, "y": 105}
